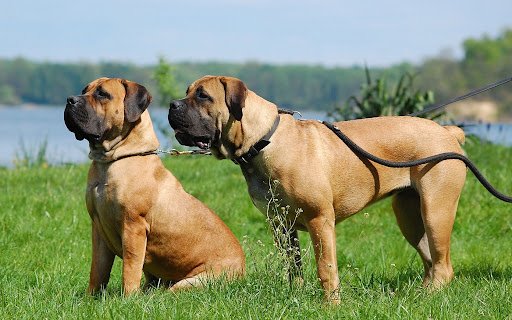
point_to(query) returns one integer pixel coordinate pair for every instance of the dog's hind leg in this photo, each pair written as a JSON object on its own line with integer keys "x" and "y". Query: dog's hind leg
{"x": 407, "y": 208}
{"x": 438, "y": 212}
{"x": 440, "y": 189}
{"x": 196, "y": 281}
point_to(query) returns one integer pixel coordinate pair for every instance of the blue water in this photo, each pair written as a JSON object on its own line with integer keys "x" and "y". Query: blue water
{"x": 28, "y": 128}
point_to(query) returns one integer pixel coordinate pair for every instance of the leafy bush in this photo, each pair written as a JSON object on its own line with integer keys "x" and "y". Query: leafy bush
{"x": 377, "y": 100}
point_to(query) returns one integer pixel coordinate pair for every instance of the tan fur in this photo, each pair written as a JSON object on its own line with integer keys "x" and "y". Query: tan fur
{"x": 141, "y": 213}
{"x": 319, "y": 174}
{"x": 457, "y": 132}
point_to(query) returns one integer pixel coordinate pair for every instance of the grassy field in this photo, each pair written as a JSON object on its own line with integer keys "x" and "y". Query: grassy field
{"x": 45, "y": 254}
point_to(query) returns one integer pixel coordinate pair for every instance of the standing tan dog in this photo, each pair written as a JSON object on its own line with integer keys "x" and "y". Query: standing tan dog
{"x": 319, "y": 174}
{"x": 139, "y": 210}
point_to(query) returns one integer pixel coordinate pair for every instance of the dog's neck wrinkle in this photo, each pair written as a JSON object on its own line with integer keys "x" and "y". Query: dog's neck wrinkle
{"x": 140, "y": 139}
{"x": 257, "y": 120}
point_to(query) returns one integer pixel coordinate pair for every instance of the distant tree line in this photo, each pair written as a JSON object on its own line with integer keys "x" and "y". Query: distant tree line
{"x": 292, "y": 86}
{"x": 485, "y": 60}
{"x": 24, "y": 81}
{"x": 302, "y": 87}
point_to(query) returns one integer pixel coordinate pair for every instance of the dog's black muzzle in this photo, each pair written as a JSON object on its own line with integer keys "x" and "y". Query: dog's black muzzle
{"x": 178, "y": 117}
{"x": 190, "y": 129}
{"x": 81, "y": 119}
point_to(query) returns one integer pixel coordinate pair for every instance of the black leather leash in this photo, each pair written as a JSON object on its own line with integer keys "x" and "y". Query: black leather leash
{"x": 467, "y": 95}
{"x": 436, "y": 158}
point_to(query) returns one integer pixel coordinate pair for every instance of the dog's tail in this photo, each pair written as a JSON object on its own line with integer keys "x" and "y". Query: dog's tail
{"x": 457, "y": 133}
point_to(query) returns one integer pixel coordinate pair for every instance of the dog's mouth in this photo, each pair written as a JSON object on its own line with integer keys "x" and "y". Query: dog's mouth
{"x": 191, "y": 130}
{"x": 202, "y": 142}
{"x": 89, "y": 137}
{"x": 75, "y": 119}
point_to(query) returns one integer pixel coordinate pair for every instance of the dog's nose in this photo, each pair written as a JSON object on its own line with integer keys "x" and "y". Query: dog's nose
{"x": 176, "y": 104}
{"x": 72, "y": 100}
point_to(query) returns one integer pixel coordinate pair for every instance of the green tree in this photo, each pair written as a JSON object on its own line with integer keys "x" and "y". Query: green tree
{"x": 487, "y": 60}
{"x": 443, "y": 76}
{"x": 8, "y": 95}
{"x": 165, "y": 81}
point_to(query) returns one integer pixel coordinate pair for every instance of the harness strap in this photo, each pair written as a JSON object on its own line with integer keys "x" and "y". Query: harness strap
{"x": 255, "y": 149}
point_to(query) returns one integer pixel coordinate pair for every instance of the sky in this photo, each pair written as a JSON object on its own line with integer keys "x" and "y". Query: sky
{"x": 322, "y": 32}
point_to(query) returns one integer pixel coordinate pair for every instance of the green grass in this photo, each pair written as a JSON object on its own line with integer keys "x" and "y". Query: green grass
{"x": 45, "y": 254}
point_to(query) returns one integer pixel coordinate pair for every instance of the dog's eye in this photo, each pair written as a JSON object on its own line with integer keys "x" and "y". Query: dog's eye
{"x": 102, "y": 94}
{"x": 202, "y": 95}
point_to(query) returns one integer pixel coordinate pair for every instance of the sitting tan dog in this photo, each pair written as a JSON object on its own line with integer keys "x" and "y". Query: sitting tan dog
{"x": 139, "y": 210}
{"x": 321, "y": 175}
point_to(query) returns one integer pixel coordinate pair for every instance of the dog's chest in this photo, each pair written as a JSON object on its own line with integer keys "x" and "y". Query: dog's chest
{"x": 107, "y": 214}
{"x": 265, "y": 192}
{"x": 258, "y": 187}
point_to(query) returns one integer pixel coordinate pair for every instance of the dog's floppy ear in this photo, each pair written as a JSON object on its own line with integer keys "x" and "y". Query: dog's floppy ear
{"x": 136, "y": 100}
{"x": 236, "y": 92}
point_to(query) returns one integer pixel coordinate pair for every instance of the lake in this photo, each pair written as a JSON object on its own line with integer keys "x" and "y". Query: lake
{"x": 24, "y": 129}
{"x": 28, "y": 128}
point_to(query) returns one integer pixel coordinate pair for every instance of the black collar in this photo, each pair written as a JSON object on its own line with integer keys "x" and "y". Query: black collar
{"x": 255, "y": 149}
